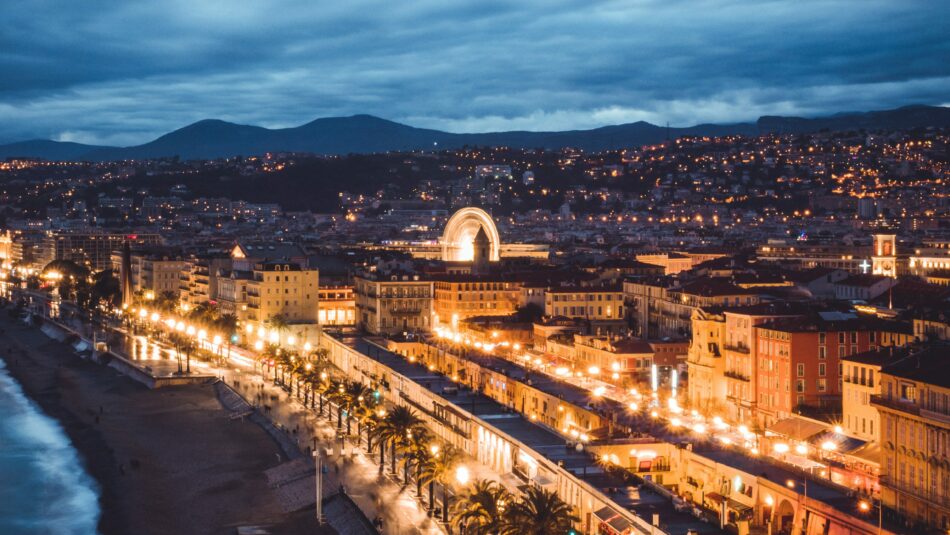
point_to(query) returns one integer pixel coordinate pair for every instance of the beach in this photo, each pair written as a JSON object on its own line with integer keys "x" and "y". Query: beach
{"x": 167, "y": 460}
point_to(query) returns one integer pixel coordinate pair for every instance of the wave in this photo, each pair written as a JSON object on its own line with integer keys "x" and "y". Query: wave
{"x": 43, "y": 485}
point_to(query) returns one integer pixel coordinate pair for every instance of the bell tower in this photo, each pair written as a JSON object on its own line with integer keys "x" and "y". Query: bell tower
{"x": 884, "y": 255}
{"x": 482, "y": 252}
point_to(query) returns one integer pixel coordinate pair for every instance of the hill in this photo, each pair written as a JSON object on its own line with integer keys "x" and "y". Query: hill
{"x": 210, "y": 138}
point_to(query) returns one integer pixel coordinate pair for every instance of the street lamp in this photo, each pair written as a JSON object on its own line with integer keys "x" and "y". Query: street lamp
{"x": 462, "y": 475}
{"x": 865, "y": 506}
{"x": 791, "y": 484}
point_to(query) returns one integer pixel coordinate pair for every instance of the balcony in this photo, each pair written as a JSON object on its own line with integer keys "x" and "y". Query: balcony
{"x": 934, "y": 415}
{"x": 405, "y": 311}
{"x": 896, "y": 404}
{"x": 736, "y": 375}
{"x": 737, "y": 348}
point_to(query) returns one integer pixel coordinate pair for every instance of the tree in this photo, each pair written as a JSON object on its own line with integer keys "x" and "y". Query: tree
{"x": 417, "y": 454}
{"x": 358, "y": 397}
{"x": 227, "y": 323}
{"x": 438, "y": 468}
{"x": 166, "y": 301}
{"x": 531, "y": 312}
{"x": 538, "y": 512}
{"x": 480, "y": 510}
{"x": 279, "y": 323}
{"x": 105, "y": 289}
{"x": 394, "y": 429}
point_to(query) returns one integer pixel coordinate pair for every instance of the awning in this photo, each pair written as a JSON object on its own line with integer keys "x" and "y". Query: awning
{"x": 869, "y": 452}
{"x": 614, "y": 520}
{"x": 843, "y": 444}
{"x": 737, "y": 506}
{"x": 797, "y": 428}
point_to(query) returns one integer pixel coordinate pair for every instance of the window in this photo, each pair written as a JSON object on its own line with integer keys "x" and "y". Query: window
{"x": 801, "y": 370}
{"x": 821, "y": 369}
{"x": 822, "y": 385}
{"x": 908, "y": 392}
{"x": 800, "y": 386}
{"x": 821, "y": 352}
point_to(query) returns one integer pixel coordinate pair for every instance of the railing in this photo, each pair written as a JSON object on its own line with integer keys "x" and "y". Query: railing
{"x": 904, "y": 406}
{"x": 736, "y": 375}
{"x": 736, "y": 348}
{"x": 934, "y": 415}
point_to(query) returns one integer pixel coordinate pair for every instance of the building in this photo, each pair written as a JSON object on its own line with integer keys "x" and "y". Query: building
{"x": 585, "y": 302}
{"x": 914, "y": 407}
{"x": 706, "y": 391}
{"x": 91, "y": 249}
{"x": 337, "y": 306}
{"x": 861, "y": 381}
{"x": 663, "y": 308}
{"x": 458, "y": 297}
{"x": 617, "y": 360}
{"x": 672, "y": 263}
{"x": 286, "y": 290}
{"x": 740, "y": 352}
{"x": 153, "y": 271}
{"x": 800, "y": 360}
{"x": 863, "y": 287}
{"x": 884, "y": 255}
{"x": 393, "y": 302}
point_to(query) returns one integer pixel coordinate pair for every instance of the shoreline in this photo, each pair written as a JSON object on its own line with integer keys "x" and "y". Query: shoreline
{"x": 164, "y": 461}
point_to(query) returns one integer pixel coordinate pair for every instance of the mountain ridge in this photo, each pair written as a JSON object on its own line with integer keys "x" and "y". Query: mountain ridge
{"x": 363, "y": 133}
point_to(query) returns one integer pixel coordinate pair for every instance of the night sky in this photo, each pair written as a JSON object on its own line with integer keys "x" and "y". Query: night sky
{"x": 124, "y": 72}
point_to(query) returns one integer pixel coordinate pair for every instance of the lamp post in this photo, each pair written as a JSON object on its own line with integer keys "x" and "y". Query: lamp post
{"x": 791, "y": 484}
{"x": 318, "y": 483}
{"x": 865, "y": 506}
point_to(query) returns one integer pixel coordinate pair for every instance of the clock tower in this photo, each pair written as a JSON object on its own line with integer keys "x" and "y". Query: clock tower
{"x": 884, "y": 255}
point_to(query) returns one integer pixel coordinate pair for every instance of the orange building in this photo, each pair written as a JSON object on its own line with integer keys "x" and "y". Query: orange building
{"x": 799, "y": 360}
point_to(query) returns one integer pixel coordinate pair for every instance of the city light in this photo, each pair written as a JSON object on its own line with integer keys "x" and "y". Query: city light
{"x": 462, "y": 475}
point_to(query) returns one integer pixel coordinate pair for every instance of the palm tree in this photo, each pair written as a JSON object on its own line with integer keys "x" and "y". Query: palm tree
{"x": 538, "y": 512}
{"x": 357, "y": 395}
{"x": 417, "y": 453}
{"x": 480, "y": 510}
{"x": 203, "y": 313}
{"x": 336, "y": 394}
{"x": 279, "y": 323}
{"x": 228, "y": 324}
{"x": 395, "y": 429}
{"x": 438, "y": 468}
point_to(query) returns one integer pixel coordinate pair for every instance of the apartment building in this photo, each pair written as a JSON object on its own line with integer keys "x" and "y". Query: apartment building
{"x": 800, "y": 359}
{"x": 284, "y": 289}
{"x": 706, "y": 390}
{"x": 458, "y": 297}
{"x": 861, "y": 381}
{"x": 914, "y": 407}
{"x": 337, "y": 306}
{"x": 585, "y": 302}
{"x": 393, "y": 302}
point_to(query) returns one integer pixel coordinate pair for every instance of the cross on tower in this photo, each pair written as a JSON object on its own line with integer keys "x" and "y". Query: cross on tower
{"x": 864, "y": 266}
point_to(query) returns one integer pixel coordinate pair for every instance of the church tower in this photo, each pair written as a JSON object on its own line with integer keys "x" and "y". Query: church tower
{"x": 884, "y": 255}
{"x": 482, "y": 249}
{"x": 125, "y": 275}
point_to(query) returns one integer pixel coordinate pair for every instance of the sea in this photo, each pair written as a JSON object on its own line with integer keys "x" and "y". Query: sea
{"x": 44, "y": 488}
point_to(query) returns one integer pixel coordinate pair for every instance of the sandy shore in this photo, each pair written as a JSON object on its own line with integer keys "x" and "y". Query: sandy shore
{"x": 167, "y": 460}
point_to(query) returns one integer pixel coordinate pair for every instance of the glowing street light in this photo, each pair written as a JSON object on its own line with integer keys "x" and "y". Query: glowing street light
{"x": 462, "y": 475}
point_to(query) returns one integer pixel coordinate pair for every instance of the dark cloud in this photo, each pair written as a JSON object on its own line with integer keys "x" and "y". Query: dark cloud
{"x": 121, "y": 72}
